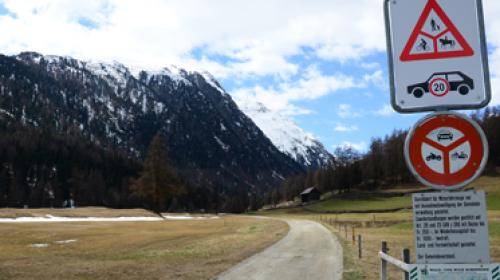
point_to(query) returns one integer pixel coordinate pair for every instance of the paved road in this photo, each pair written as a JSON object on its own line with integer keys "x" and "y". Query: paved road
{"x": 308, "y": 251}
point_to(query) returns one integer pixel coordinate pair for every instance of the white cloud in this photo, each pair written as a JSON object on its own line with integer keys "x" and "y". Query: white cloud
{"x": 385, "y": 111}
{"x": 311, "y": 86}
{"x": 370, "y": 65}
{"x": 258, "y": 36}
{"x": 339, "y": 127}
{"x": 345, "y": 111}
{"x": 377, "y": 79}
{"x": 360, "y": 146}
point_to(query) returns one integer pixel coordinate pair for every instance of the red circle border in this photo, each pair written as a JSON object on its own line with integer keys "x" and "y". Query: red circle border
{"x": 469, "y": 132}
{"x": 447, "y": 87}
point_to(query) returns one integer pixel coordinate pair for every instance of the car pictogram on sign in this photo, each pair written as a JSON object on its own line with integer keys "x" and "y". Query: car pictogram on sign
{"x": 445, "y": 135}
{"x": 439, "y": 84}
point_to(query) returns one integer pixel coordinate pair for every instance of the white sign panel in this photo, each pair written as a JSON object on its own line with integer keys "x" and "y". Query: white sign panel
{"x": 455, "y": 272}
{"x": 451, "y": 227}
{"x": 437, "y": 54}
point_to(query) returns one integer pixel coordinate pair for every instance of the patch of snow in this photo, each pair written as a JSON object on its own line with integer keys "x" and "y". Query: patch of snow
{"x": 222, "y": 127}
{"x": 39, "y": 245}
{"x": 182, "y": 218}
{"x": 287, "y": 136}
{"x": 65, "y": 241}
{"x": 278, "y": 175}
{"x": 212, "y": 81}
{"x": 116, "y": 71}
{"x": 144, "y": 104}
{"x": 50, "y": 218}
{"x": 159, "y": 107}
{"x": 222, "y": 144}
{"x": 175, "y": 73}
{"x": 2, "y": 111}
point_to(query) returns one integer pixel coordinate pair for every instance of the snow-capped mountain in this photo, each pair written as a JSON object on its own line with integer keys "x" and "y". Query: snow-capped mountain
{"x": 209, "y": 139}
{"x": 287, "y": 136}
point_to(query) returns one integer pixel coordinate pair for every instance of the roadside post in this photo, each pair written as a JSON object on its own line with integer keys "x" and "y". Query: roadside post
{"x": 438, "y": 62}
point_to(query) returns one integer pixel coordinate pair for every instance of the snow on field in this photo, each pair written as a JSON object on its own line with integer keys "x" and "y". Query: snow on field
{"x": 41, "y": 245}
{"x": 65, "y": 241}
{"x": 188, "y": 217}
{"x": 50, "y": 218}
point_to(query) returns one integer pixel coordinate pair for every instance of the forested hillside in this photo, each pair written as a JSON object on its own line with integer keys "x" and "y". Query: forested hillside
{"x": 89, "y": 125}
{"x": 383, "y": 165}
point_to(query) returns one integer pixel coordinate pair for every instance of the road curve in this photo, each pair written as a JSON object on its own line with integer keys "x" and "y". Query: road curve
{"x": 308, "y": 251}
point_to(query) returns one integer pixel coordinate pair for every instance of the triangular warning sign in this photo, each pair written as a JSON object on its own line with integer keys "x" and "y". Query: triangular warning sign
{"x": 435, "y": 37}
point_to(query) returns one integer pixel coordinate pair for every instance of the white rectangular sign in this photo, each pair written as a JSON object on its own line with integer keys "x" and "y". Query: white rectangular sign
{"x": 451, "y": 227}
{"x": 455, "y": 272}
{"x": 437, "y": 55}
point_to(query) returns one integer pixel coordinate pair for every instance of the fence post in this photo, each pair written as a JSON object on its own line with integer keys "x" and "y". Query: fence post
{"x": 360, "y": 248}
{"x": 345, "y": 228}
{"x": 383, "y": 263}
{"x": 353, "y": 235}
{"x": 406, "y": 259}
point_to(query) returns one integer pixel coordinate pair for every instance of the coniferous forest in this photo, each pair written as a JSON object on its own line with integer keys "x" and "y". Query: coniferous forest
{"x": 383, "y": 165}
{"x": 40, "y": 167}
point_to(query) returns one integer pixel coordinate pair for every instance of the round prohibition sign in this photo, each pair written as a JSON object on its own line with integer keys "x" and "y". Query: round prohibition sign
{"x": 439, "y": 87}
{"x": 432, "y": 133}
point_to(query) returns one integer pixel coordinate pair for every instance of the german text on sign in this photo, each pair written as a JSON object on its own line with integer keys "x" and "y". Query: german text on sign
{"x": 451, "y": 227}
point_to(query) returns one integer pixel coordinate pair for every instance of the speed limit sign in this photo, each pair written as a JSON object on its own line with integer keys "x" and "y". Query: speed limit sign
{"x": 439, "y": 87}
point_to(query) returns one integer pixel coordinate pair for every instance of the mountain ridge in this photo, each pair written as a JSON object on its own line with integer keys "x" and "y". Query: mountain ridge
{"x": 209, "y": 138}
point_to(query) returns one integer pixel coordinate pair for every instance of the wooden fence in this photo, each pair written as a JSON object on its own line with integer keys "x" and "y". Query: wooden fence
{"x": 385, "y": 258}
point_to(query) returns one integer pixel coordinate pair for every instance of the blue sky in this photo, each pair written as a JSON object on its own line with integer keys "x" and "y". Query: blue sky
{"x": 321, "y": 62}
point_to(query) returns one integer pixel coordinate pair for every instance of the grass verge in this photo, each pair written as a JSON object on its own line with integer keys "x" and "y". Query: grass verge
{"x": 351, "y": 269}
{"x": 132, "y": 250}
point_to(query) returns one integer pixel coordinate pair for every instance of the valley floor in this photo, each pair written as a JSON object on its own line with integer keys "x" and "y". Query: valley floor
{"x": 173, "y": 249}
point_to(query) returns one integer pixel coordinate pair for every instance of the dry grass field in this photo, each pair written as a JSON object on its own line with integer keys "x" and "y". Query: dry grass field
{"x": 192, "y": 249}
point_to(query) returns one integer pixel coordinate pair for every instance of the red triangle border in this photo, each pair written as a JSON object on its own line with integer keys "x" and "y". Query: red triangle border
{"x": 433, "y": 5}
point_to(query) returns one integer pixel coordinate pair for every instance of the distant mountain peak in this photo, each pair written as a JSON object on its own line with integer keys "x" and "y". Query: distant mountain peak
{"x": 287, "y": 136}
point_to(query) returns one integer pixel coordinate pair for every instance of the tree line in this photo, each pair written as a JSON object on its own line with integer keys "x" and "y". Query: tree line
{"x": 40, "y": 167}
{"x": 383, "y": 165}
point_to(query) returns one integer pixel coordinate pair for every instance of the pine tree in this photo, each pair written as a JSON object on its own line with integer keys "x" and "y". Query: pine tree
{"x": 157, "y": 182}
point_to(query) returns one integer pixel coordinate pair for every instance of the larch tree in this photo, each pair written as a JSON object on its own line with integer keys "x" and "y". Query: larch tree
{"x": 157, "y": 182}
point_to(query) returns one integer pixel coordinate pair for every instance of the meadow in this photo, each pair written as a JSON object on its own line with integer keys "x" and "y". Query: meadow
{"x": 188, "y": 249}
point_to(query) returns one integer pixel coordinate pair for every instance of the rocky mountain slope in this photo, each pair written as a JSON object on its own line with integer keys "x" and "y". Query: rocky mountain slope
{"x": 286, "y": 135}
{"x": 209, "y": 139}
